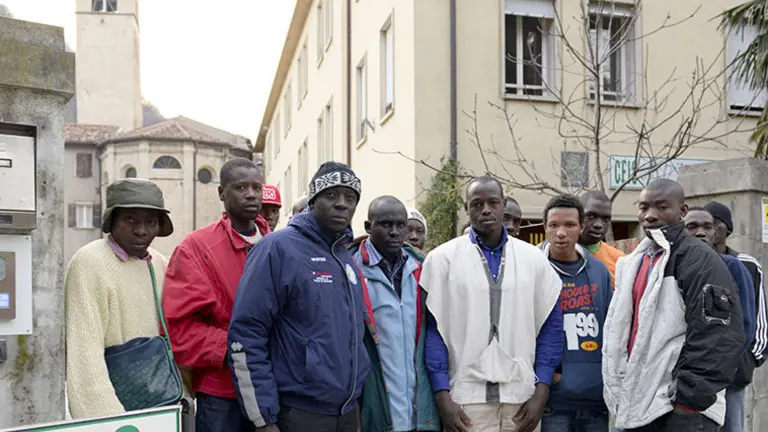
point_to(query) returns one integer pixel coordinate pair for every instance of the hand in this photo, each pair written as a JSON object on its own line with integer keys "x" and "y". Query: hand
{"x": 529, "y": 415}
{"x": 268, "y": 428}
{"x": 451, "y": 415}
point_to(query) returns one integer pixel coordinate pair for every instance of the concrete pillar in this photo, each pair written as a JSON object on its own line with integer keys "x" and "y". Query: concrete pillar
{"x": 741, "y": 184}
{"x": 37, "y": 79}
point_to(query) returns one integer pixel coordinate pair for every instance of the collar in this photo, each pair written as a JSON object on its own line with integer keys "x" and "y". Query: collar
{"x": 238, "y": 242}
{"x": 121, "y": 253}
{"x": 732, "y": 252}
{"x": 581, "y": 251}
{"x": 668, "y": 236}
{"x": 372, "y": 257}
{"x": 478, "y": 241}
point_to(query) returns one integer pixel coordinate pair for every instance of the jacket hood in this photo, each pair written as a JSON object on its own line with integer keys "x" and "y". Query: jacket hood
{"x": 306, "y": 223}
{"x": 666, "y": 236}
{"x": 580, "y": 250}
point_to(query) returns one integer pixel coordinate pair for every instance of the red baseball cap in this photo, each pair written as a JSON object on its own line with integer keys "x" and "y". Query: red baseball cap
{"x": 270, "y": 196}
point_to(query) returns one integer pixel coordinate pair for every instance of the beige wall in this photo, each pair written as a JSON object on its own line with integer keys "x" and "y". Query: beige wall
{"x": 79, "y": 190}
{"x": 108, "y": 66}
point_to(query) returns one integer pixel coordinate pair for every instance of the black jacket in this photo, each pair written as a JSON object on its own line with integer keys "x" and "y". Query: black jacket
{"x": 758, "y": 349}
{"x": 714, "y": 339}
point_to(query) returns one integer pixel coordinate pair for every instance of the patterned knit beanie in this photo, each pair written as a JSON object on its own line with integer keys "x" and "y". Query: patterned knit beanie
{"x": 330, "y": 175}
{"x": 416, "y": 215}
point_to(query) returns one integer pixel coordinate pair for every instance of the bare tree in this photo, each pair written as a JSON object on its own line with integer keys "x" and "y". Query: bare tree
{"x": 684, "y": 111}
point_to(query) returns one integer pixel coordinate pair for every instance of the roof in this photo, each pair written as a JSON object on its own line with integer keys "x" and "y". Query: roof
{"x": 182, "y": 129}
{"x": 300, "y": 14}
{"x": 87, "y": 134}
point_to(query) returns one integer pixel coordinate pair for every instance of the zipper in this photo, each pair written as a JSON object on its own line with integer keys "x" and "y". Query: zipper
{"x": 353, "y": 383}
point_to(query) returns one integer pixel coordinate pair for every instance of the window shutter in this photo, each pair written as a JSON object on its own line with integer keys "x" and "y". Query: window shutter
{"x": 574, "y": 169}
{"x": 71, "y": 215}
{"x": 84, "y": 162}
{"x": 530, "y": 8}
{"x": 97, "y": 216}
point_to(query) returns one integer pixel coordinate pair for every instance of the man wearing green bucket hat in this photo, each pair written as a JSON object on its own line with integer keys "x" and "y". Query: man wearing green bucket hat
{"x": 110, "y": 292}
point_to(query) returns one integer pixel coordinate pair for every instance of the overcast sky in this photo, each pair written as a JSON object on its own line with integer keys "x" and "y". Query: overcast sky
{"x": 210, "y": 61}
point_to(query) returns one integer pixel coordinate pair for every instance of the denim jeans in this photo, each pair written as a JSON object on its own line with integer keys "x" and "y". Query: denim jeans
{"x": 678, "y": 422}
{"x": 734, "y": 411}
{"x": 574, "y": 421}
{"x": 215, "y": 414}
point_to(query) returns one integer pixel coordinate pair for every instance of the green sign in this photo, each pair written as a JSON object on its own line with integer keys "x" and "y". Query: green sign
{"x": 166, "y": 419}
{"x": 625, "y": 169}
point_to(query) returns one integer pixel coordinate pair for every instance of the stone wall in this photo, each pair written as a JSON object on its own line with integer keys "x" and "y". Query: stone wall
{"x": 37, "y": 79}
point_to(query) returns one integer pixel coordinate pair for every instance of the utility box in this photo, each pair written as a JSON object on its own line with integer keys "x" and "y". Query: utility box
{"x": 18, "y": 206}
{"x": 15, "y": 285}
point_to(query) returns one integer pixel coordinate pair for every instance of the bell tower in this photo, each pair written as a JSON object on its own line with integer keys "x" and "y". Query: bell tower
{"x": 108, "y": 63}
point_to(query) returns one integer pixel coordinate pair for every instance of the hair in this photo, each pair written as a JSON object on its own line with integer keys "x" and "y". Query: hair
{"x": 384, "y": 199}
{"x": 594, "y": 195}
{"x": 668, "y": 187}
{"x": 227, "y": 170}
{"x": 483, "y": 180}
{"x": 565, "y": 201}
{"x": 511, "y": 199}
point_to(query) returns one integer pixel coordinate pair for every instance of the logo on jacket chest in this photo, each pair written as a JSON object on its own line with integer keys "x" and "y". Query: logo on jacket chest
{"x": 324, "y": 277}
{"x": 351, "y": 274}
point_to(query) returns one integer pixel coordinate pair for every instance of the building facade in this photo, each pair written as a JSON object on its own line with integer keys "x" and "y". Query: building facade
{"x": 509, "y": 86}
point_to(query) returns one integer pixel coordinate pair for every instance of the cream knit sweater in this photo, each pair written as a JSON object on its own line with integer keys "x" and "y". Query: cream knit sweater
{"x": 108, "y": 303}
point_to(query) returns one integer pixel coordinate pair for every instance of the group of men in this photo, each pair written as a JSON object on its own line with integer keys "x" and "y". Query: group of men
{"x": 306, "y": 328}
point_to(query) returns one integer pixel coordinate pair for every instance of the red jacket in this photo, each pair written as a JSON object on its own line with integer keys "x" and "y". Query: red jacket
{"x": 198, "y": 297}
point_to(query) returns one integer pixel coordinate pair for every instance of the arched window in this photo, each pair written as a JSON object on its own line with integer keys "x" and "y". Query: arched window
{"x": 204, "y": 175}
{"x": 130, "y": 172}
{"x": 166, "y": 162}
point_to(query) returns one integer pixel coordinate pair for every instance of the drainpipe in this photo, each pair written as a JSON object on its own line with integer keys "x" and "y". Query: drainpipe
{"x": 349, "y": 82}
{"x": 454, "y": 126}
{"x": 194, "y": 189}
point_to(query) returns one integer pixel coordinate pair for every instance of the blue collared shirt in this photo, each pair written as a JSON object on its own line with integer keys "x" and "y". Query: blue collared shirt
{"x": 549, "y": 343}
{"x": 392, "y": 272}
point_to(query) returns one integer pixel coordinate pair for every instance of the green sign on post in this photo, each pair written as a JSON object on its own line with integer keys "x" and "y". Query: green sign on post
{"x": 167, "y": 419}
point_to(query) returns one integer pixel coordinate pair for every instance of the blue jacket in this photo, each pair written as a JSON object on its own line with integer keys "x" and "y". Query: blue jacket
{"x": 397, "y": 395}
{"x": 585, "y": 297}
{"x": 296, "y": 335}
{"x": 746, "y": 295}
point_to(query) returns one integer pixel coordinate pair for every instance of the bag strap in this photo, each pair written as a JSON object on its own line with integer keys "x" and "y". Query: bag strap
{"x": 158, "y": 304}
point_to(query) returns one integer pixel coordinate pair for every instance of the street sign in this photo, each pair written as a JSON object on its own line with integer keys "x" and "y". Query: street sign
{"x": 622, "y": 168}
{"x": 166, "y": 419}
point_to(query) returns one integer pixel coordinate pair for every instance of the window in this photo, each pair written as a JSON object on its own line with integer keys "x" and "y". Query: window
{"x": 528, "y": 47}
{"x": 288, "y": 182}
{"x": 104, "y": 6}
{"x": 166, "y": 162}
{"x": 328, "y": 23}
{"x": 362, "y": 102}
{"x": 329, "y": 131}
{"x": 387, "y": 68}
{"x": 303, "y": 166}
{"x": 320, "y": 139}
{"x": 740, "y": 96}
{"x": 204, "y": 175}
{"x": 84, "y": 216}
{"x": 130, "y": 172}
{"x": 302, "y": 75}
{"x": 611, "y": 51}
{"x": 287, "y": 108}
{"x": 84, "y": 162}
{"x": 276, "y": 135}
{"x": 320, "y": 32}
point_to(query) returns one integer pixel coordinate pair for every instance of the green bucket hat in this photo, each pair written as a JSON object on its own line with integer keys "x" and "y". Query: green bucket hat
{"x": 136, "y": 193}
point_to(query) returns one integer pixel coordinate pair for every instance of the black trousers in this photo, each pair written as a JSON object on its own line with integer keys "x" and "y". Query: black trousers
{"x": 295, "y": 420}
{"x": 680, "y": 422}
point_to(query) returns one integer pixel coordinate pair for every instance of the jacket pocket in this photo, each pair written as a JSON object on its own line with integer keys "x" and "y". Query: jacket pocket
{"x": 496, "y": 366}
{"x": 718, "y": 305}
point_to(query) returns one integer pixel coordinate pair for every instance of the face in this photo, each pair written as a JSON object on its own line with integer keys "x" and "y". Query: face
{"x": 417, "y": 235}
{"x": 387, "y": 228}
{"x": 334, "y": 208}
{"x": 242, "y": 195}
{"x": 563, "y": 230}
{"x": 721, "y": 233}
{"x": 272, "y": 214}
{"x": 485, "y": 207}
{"x": 700, "y": 224}
{"x": 597, "y": 219}
{"x": 513, "y": 216}
{"x": 656, "y": 209}
{"x": 134, "y": 229}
